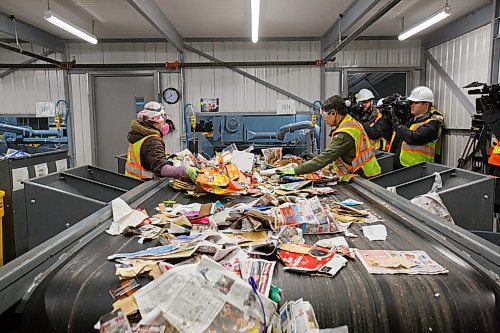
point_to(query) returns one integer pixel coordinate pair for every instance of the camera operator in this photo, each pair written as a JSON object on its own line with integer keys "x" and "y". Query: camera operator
{"x": 377, "y": 127}
{"x": 415, "y": 141}
{"x": 492, "y": 120}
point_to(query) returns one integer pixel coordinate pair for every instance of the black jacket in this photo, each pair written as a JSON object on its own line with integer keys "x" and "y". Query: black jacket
{"x": 381, "y": 128}
{"x": 421, "y": 136}
{"x": 492, "y": 120}
{"x": 153, "y": 156}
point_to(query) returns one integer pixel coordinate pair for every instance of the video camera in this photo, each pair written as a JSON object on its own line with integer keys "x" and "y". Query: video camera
{"x": 355, "y": 109}
{"x": 352, "y": 105}
{"x": 490, "y": 95}
{"x": 398, "y": 105}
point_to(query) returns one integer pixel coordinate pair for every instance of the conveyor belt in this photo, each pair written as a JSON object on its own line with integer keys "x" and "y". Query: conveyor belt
{"x": 73, "y": 297}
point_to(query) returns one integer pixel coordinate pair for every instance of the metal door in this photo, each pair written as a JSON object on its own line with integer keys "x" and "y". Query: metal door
{"x": 114, "y": 108}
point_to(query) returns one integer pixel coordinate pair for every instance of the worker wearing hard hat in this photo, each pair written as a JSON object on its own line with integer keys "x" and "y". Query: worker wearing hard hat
{"x": 377, "y": 127}
{"x": 350, "y": 148}
{"x": 146, "y": 155}
{"x": 415, "y": 141}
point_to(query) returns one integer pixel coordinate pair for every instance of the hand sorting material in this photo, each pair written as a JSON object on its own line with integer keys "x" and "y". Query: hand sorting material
{"x": 223, "y": 252}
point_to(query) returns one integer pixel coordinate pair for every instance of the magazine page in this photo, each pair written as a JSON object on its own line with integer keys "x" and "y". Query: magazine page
{"x": 398, "y": 262}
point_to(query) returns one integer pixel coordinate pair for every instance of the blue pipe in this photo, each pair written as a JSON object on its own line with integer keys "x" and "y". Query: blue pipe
{"x": 26, "y": 130}
{"x": 319, "y": 122}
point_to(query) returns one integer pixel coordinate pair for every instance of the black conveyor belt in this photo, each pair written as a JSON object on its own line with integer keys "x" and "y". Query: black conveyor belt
{"x": 73, "y": 297}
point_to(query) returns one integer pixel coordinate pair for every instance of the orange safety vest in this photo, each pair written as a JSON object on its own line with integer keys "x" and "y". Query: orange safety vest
{"x": 495, "y": 155}
{"x": 381, "y": 143}
{"x": 133, "y": 167}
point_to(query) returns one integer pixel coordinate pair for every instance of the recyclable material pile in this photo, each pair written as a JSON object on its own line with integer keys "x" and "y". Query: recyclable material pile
{"x": 209, "y": 265}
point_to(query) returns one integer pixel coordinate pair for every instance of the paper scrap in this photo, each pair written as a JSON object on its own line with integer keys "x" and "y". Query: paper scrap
{"x": 243, "y": 160}
{"x": 332, "y": 242}
{"x": 333, "y": 265}
{"x": 127, "y": 305}
{"x": 123, "y": 217}
{"x": 350, "y": 202}
{"x": 395, "y": 262}
{"x": 375, "y": 232}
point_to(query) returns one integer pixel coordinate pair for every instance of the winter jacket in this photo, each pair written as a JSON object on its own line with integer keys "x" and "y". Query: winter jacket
{"x": 153, "y": 154}
{"x": 381, "y": 128}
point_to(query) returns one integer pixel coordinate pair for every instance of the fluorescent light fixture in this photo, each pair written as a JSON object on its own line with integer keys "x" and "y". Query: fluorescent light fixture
{"x": 431, "y": 20}
{"x": 255, "y": 20}
{"x": 63, "y": 24}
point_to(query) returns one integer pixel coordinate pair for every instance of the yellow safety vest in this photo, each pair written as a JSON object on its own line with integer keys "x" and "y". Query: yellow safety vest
{"x": 365, "y": 158}
{"x": 434, "y": 110}
{"x": 413, "y": 154}
{"x": 133, "y": 167}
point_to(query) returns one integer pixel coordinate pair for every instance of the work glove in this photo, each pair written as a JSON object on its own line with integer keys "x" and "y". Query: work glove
{"x": 192, "y": 173}
{"x": 286, "y": 172}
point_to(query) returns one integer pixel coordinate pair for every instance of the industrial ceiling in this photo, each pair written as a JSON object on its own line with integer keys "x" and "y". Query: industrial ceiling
{"x": 227, "y": 19}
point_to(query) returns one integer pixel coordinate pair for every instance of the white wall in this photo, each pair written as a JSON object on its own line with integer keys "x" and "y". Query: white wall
{"x": 380, "y": 53}
{"x": 236, "y": 93}
{"x": 20, "y": 90}
{"x": 465, "y": 59}
{"x": 240, "y": 94}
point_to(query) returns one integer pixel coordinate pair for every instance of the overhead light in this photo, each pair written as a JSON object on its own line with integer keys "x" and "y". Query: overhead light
{"x": 431, "y": 20}
{"x": 63, "y": 24}
{"x": 255, "y": 20}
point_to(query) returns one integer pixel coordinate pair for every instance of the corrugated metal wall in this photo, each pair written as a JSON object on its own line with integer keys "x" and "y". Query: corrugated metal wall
{"x": 20, "y": 90}
{"x": 380, "y": 53}
{"x": 465, "y": 59}
{"x": 236, "y": 93}
{"x": 81, "y": 119}
{"x": 240, "y": 94}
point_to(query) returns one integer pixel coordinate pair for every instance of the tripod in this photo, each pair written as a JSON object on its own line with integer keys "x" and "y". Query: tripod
{"x": 474, "y": 155}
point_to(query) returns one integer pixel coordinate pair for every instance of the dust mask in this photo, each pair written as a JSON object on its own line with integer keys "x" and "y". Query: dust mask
{"x": 165, "y": 129}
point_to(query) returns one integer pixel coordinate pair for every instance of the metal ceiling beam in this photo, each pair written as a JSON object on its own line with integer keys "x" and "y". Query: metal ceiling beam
{"x": 29, "y": 54}
{"x": 31, "y": 34}
{"x": 150, "y": 11}
{"x": 453, "y": 86}
{"x": 29, "y": 61}
{"x": 252, "y": 77}
{"x": 351, "y": 16}
{"x": 382, "y": 11}
{"x": 463, "y": 25}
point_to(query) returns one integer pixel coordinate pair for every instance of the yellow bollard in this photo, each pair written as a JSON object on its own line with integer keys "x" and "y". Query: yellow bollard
{"x": 2, "y": 194}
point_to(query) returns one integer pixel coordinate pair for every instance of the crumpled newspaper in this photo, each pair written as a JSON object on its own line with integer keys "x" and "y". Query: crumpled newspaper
{"x": 432, "y": 203}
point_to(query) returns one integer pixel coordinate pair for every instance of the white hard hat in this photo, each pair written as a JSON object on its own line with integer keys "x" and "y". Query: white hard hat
{"x": 421, "y": 94}
{"x": 153, "y": 111}
{"x": 365, "y": 95}
{"x": 380, "y": 102}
